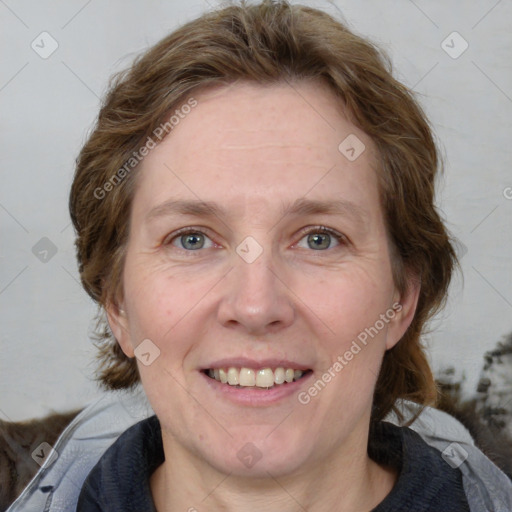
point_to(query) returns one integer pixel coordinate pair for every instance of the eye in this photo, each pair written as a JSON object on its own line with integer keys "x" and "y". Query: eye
{"x": 189, "y": 239}
{"x": 320, "y": 238}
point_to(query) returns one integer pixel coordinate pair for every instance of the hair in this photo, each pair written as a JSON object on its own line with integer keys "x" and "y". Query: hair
{"x": 268, "y": 43}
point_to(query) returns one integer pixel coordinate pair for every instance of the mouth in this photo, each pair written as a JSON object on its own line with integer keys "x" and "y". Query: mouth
{"x": 264, "y": 378}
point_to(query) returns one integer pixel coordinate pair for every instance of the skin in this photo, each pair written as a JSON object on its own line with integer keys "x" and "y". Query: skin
{"x": 253, "y": 148}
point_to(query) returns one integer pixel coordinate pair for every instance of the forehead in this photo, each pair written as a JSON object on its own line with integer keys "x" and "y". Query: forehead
{"x": 263, "y": 143}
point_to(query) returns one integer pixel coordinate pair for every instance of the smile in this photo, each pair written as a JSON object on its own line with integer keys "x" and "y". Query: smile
{"x": 261, "y": 378}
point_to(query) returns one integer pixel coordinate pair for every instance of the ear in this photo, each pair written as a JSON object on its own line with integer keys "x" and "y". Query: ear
{"x": 118, "y": 321}
{"x": 404, "y": 306}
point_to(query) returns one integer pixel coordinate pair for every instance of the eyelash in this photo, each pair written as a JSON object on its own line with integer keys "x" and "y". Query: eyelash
{"x": 341, "y": 239}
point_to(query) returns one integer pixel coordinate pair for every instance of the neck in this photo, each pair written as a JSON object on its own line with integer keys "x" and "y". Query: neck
{"x": 348, "y": 480}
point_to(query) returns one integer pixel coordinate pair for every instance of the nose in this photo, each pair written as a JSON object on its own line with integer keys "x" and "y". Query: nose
{"x": 256, "y": 298}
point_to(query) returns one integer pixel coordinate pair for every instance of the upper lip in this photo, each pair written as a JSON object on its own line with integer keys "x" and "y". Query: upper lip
{"x": 244, "y": 362}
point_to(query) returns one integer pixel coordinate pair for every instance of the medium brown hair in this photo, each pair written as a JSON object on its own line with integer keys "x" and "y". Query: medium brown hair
{"x": 268, "y": 43}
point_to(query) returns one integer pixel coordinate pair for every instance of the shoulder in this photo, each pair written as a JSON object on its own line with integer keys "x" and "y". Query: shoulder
{"x": 121, "y": 476}
{"x": 485, "y": 485}
{"x": 426, "y": 481}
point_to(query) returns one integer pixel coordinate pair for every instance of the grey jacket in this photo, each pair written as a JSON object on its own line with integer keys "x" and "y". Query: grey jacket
{"x": 56, "y": 486}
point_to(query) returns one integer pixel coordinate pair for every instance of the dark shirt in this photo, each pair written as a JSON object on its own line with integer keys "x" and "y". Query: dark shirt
{"x": 426, "y": 483}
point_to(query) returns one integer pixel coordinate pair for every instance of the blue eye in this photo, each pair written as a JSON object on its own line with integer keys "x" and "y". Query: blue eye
{"x": 320, "y": 238}
{"x": 190, "y": 240}
{"x": 319, "y": 241}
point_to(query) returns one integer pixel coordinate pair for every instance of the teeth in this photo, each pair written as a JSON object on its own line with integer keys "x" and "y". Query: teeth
{"x": 279, "y": 376}
{"x": 265, "y": 378}
{"x": 247, "y": 377}
{"x": 233, "y": 376}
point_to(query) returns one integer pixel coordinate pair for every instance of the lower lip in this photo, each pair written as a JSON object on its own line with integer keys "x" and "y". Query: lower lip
{"x": 254, "y": 396}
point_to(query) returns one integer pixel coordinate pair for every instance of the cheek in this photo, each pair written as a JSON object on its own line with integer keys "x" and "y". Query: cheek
{"x": 350, "y": 309}
{"x": 152, "y": 298}
{"x": 349, "y": 306}
{"x": 160, "y": 303}
{"x": 348, "y": 302}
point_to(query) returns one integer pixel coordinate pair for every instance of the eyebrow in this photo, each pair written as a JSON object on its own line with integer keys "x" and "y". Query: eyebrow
{"x": 302, "y": 206}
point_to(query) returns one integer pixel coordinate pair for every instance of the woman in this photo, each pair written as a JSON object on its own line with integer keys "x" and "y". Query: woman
{"x": 255, "y": 214}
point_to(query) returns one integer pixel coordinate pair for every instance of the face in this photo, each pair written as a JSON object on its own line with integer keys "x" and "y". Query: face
{"x": 256, "y": 246}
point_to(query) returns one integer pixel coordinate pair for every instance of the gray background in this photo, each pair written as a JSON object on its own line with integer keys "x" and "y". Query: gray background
{"x": 48, "y": 106}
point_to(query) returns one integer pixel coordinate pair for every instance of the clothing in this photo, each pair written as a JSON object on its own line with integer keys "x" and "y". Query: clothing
{"x": 426, "y": 483}
{"x": 56, "y": 486}
{"x": 120, "y": 480}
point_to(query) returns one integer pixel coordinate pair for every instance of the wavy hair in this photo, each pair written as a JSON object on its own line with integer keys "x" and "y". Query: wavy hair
{"x": 267, "y": 43}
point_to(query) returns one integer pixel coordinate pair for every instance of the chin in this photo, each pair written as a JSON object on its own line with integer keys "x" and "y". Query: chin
{"x": 259, "y": 456}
